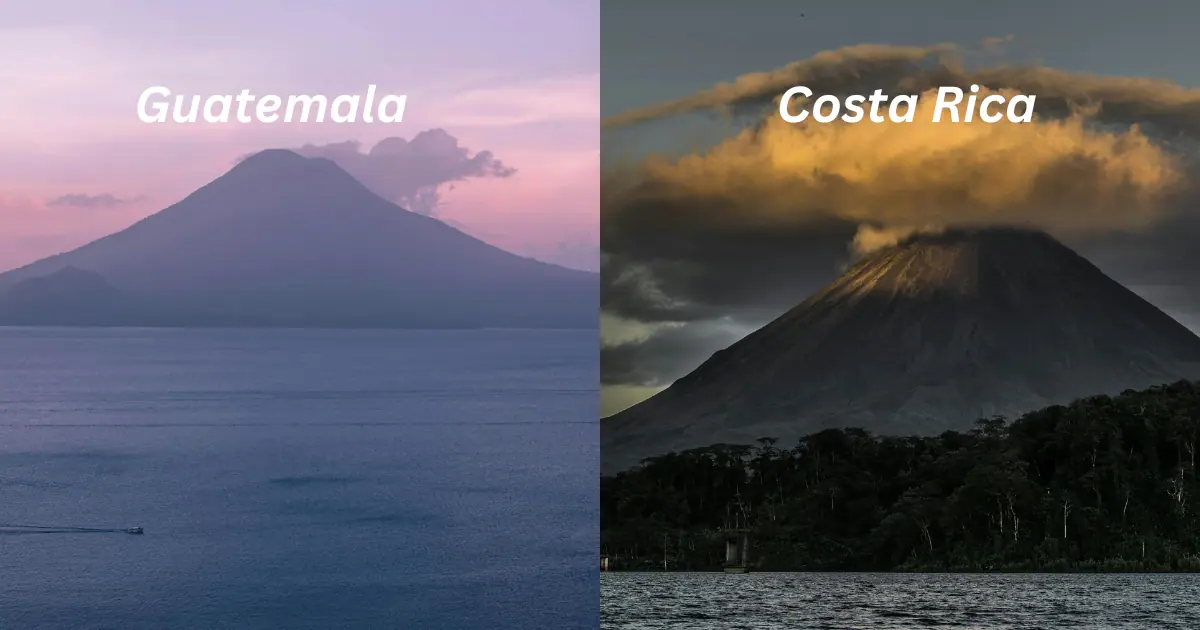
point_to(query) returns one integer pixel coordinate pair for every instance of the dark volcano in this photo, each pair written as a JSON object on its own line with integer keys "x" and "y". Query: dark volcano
{"x": 930, "y": 335}
{"x": 283, "y": 240}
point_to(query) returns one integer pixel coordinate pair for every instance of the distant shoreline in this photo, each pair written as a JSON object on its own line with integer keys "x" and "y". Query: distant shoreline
{"x": 1104, "y": 484}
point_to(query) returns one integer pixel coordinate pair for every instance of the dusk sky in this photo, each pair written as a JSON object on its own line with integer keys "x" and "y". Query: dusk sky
{"x": 519, "y": 80}
{"x": 688, "y": 276}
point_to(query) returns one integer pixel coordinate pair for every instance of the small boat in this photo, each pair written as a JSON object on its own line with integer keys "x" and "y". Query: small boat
{"x": 134, "y": 530}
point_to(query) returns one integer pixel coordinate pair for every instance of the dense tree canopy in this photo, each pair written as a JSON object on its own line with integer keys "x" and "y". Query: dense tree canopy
{"x": 1103, "y": 484}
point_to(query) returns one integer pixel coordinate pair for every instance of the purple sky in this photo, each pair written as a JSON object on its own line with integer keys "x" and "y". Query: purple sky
{"x": 519, "y": 79}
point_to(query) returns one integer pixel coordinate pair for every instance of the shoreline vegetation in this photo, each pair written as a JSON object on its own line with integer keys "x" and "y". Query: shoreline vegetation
{"x": 1106, "y": 484}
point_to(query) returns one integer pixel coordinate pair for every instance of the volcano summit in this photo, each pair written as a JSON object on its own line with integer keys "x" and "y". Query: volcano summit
{"x": 926, "y": 336}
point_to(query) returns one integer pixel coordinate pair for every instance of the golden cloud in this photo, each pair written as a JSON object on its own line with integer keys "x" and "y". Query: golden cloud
{"x": 1058, "y": 174}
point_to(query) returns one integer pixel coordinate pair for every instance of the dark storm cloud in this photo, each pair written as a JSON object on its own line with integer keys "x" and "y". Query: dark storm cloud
{"x": 752, "y": 226}
{"x": 1165, "y": 255}
{"x": 411, "y": 173}
{"x": 910, "y": 69}
{"x": 104, "y": 200}
{"x": 655, "y": 360}
{"x": 674, "y": 259}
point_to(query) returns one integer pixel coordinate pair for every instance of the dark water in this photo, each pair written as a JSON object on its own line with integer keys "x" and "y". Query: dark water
{"x": 299, "y": 479}
{"x": 892, "y": 601}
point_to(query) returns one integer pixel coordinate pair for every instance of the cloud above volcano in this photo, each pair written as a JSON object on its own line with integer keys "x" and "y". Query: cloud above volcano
{"x": 749, "y": 227}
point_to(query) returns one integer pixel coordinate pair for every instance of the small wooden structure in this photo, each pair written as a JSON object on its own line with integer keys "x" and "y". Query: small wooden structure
{"x": 737, "y": 550}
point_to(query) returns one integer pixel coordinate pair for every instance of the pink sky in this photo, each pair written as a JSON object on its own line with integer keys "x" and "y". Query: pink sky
{"x": 520, "y": 80}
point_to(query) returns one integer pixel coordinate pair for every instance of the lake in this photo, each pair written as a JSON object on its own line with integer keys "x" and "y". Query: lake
{"x": 895, "y": 601}
{"x": 292, "y": 479}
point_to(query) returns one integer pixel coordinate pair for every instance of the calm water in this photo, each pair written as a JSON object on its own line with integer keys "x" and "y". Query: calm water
{"x": 853, "y": 601}
{"x": 299, "y": 479}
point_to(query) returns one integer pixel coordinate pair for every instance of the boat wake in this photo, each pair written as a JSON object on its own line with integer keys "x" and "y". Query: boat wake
{"x": 10, "y": 528}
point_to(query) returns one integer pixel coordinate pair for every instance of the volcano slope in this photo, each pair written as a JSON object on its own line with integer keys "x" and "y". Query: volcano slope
{"x": 926, "y": 336}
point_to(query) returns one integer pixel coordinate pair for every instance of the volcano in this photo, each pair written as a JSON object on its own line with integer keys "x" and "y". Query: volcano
{"x": 926, "y": 336}
{"x": 284, "y": 240}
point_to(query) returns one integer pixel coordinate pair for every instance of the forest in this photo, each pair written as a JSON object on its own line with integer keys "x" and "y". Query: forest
{"x": 1106, "y": 483}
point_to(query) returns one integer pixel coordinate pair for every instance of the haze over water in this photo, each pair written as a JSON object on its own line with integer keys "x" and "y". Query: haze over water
{"x": 299, "y": 479}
